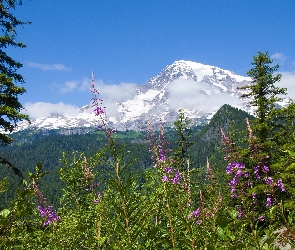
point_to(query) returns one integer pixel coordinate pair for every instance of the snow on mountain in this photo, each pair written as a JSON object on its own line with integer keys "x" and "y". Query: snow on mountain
{"x": 200, "y": 90}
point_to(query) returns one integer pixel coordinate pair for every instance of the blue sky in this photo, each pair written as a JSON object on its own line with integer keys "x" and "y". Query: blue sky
{"x": 128, "y": 42}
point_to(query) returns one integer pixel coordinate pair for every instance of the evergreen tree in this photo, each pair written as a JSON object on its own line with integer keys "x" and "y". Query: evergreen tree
{"x": 263, "y": 93}
{"x": 10, "y": 107}
{"x": 183, "y": 132}
{"x": 274, "y": 126}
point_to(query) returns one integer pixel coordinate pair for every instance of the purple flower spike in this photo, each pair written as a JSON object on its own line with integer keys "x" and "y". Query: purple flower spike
{"x": 268, "y": 202}
{"x": 268, "y": 180}
{"x": 98, "y": 111}
{"x": 281, "y": 185}
{"x": 234, "y": 165}
{"x": 240, "y": 213}
{"x": 48, "y": 214}
{"x": 165, "y": 178}
{"x": 168, "y": 170}
{"x": 175, "y": 180}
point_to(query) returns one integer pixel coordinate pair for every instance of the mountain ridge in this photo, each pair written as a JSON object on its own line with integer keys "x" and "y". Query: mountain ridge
{"x": 200, "y": 90}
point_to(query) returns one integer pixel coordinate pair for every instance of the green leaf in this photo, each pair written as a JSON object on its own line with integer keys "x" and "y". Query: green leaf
{"x": 38, "y": 167}
{"x": 220, "y": 232}
{"x": 5, "y": 212}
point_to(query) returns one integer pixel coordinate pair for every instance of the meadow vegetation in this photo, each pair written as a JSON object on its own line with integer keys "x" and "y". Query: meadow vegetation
{"x": 173, "y": 204}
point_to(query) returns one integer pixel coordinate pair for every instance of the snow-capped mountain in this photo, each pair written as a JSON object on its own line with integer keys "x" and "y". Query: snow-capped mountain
{"x": 200, "y": 90}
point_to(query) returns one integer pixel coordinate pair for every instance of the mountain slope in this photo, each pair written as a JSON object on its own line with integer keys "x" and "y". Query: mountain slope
{"x": 200, "y": 90}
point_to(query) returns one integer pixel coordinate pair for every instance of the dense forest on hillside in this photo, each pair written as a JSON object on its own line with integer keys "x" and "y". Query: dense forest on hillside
{"x": 31, "y": 147}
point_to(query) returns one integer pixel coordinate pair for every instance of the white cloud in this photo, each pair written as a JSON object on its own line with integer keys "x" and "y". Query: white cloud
{"x": 278, "y": 56}
{"x": 113, "y": 94}
{"x": 189, "y": 94}
{"x": 68, "y": 86}
{"x": 71, "y": 86}
{"x": 48, "y": 67}
{"x": 43, "y": 109}
{"x": 288, "y": 81}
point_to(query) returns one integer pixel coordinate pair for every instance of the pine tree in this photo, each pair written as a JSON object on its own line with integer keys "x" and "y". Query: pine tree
{"x": 10, "y": 107}
{"x": 263, "y": 93}
{"x": 274, "y": 126}
{"x": 183, "y": 133}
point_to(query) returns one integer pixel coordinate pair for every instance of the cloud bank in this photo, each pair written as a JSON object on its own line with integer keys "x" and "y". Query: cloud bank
{"x": 113, "y": 94}
{"x": 189, "y": 94}
{"x": 72, "y": 86}
{"x": 288, "y": 81}
{"x": 47, "y": 67}
{"x": 43, "y": 109}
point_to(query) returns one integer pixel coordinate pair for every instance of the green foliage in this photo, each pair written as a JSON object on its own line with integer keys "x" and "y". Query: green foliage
{"x": 10, "y": 107}
{"x": 183, "y": 133}
{"x": 274, "y": 126}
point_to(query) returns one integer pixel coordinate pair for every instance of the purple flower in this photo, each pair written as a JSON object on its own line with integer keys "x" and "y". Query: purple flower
{"x": 268, "y": 180}
{"x": 161, "y": 155}
{"x": 175, "y": 180}
{"x": 178, "y": 175}
{"x": 246, "y": 174}
{"x": 168, "y": 170}
{"x": 234, "y": 165}
{"x": 256, "y": 172}
{"x": 256, "y": 169}
{"x": 196, "y": 213}
{"x": 233, "y": 182}
{"x": 261, "y": 218}
{"x": 240, "y": 213}
{"x": 98, "y": 111}
{"x": 268, "y": 202}
{"x": 48, "y": 214}
{"x": 266, "y": 169}
{"x": 165, "y": 178}
{"x": 281, "y": 185}
{"x": 239, "y": 173}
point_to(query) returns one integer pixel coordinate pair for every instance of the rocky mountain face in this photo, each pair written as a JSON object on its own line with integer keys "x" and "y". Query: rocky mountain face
{"x": 200, "y": 90}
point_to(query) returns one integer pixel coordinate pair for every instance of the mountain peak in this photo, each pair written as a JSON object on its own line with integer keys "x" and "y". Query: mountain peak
{"x": 199, "y": 89}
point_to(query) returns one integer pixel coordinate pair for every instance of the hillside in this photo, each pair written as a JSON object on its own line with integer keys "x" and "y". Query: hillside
{"x": 33, "y": 146}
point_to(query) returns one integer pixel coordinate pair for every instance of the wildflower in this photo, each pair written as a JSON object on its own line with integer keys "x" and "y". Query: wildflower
{"x": 48, "y": 214}
{"x": 240, "y": 213}
{"x": 238, "y": 173}
{"x": 256, "y": 172}
{"x": 281, "y": 185}
{"x": 175, "y": 180}
{"x": 162, "y": 156}
{"x": 196, "y": 213}
{"x": 98, "y": 111}
{"x": 246, "y": 174}
{"x": 266, "y": 169}
{"x": 268, "y": 180}
{"x": 268, "y": 202}
{"x": 261, "y": 218}
{"x": 165, "y": 178}
{"x": 233, "y": 182}
{"x": 234, "y": 165}
{"x": 168, "y": 170}
{"x": 178, "y": 175}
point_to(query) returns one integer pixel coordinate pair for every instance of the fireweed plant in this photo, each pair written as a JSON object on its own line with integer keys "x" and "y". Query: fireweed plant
{"x": 163, "y": 208}
{"x": 255, "y": 194}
